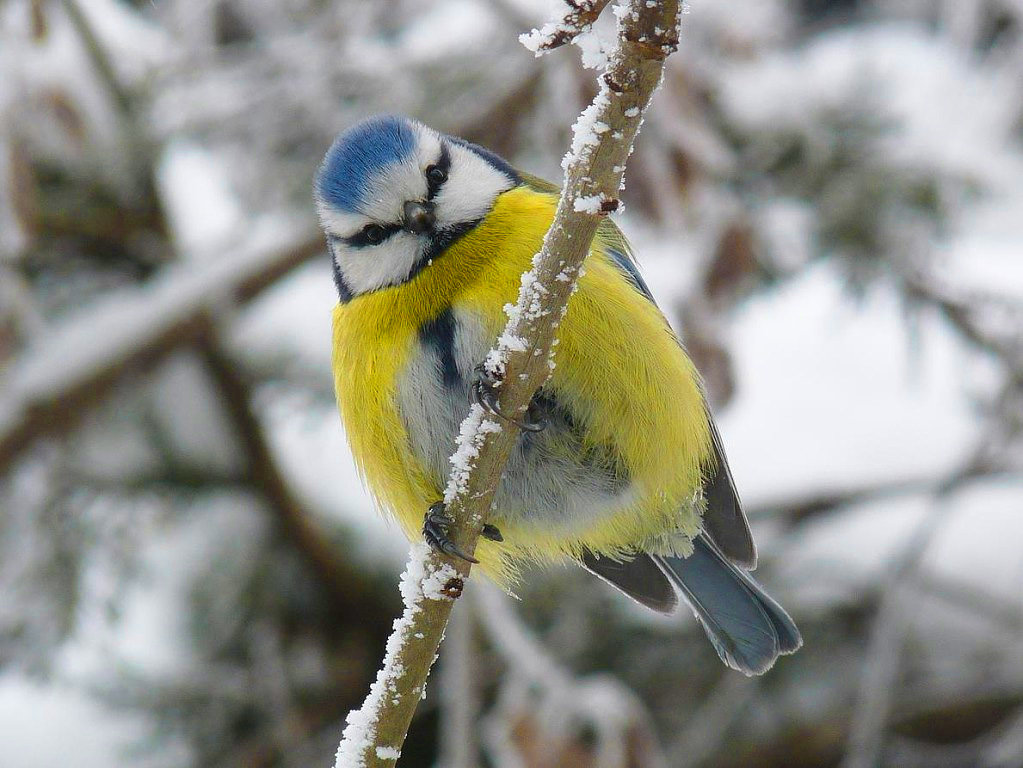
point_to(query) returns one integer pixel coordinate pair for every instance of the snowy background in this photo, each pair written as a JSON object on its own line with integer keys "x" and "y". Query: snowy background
{"x": 827, "y": 198}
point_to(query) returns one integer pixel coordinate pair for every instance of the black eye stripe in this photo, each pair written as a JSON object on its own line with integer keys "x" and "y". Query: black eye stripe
{"x": 367, "y": 237}
{"x": 443, "y": 164}
{"x": 362, "y": 239}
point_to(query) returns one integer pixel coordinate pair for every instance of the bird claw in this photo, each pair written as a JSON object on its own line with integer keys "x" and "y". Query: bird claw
{"x": 491, "y": 532}
{"x": 484, "y": 394}
{"x": 435, "y": 531}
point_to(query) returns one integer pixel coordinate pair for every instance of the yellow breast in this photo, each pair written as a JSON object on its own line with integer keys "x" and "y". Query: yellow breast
{"x": 618, "y": 364}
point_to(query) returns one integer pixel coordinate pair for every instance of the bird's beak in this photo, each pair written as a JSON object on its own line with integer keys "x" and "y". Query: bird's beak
{"x": 418, "y": 217}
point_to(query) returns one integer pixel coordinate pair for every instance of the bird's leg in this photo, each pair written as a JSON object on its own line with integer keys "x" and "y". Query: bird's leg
{"x": 484, "y": 393}
{"x": 435, "y": 531}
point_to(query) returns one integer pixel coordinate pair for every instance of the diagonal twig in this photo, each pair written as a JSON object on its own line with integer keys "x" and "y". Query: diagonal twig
{"x": 49, "y": 388}
{"x": 647, "y": 34}
{"x": 554, "y": 34}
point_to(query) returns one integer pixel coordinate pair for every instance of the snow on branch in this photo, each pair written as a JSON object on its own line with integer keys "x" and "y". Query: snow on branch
{"x": 603, "y": 135}
{"x": 47, "y": 390}
{"x": 554, "y": 34}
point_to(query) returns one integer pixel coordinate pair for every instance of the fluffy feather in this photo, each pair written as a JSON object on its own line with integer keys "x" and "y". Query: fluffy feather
{"x": 618, "y": 364}
{"x": 629, "y": 477}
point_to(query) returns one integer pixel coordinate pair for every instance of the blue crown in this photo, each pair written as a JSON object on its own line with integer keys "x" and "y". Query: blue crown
{"x": 358, "y": 154}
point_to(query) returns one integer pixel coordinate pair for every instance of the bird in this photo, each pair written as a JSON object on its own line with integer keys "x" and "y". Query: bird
{"x": 618, "y": 465}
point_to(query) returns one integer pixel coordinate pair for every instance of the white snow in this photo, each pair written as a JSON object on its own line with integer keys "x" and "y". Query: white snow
{"x": 388, "y": 753}
{"x": 434, "y": 583}
{"x": 586, "y": 204}
{"x": 472, "y": 434}
{"x": 842, "y": 387}
{"x": 309, "y": 442}
{"x": 585, "y": 132}
{"x": 58, "y": 722}
{"x": 436, "y": 28}
{"x": 202, "y": 209}
{"x": 749, "y": 24}
{"x": 49, "y": 724}
{"x": 976, "y": 544}
{"x": 537, "y": 39}
{"x": 291, "y": 318}
{"x": 593, "y": 49}
{"x": 59, "y": 63}
{"x": 979, "y": 545}
{"x": 590, "y": 44}
{"x": 359, "y": 732}
{"x": 512, "y": 343}
{"x": 90, "y": 341}
{"x": 941, "y": 109}
{"x": 986, "y": 253}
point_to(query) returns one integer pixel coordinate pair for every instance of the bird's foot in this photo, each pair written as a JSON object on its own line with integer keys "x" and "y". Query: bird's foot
{"x": 484, "y": 393}
{"x": 435, "y": 531}
{"x": 491, "y": 532}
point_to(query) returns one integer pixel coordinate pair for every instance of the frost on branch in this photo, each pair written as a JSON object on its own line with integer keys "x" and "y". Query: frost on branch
{"x": 424, "y": 580}
{"x": 554, "y": 34}
{"x": 475, "y": 427}
{"x": 859, "y": 172}
{"x": 521, "y": 360}
{"x": 594, "y": 169}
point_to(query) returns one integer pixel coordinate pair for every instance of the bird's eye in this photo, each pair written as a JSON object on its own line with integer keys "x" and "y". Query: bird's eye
{"x": 374, "y": 234}
{"x": 436, "y": 175}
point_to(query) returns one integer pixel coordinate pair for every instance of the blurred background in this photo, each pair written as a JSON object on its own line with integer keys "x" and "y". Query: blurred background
{"x": 827, "y": 198}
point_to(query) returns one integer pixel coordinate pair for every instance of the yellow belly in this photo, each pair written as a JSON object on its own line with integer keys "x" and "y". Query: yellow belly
{"x": 618, "y": 363}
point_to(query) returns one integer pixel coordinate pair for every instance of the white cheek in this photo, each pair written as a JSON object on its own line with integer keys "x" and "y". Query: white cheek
{"x": 376, "y": 266}
{"x": 472, "y": 186}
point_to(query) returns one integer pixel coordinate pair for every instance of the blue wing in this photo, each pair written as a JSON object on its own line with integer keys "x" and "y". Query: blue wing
{"x": 630, "y": 271}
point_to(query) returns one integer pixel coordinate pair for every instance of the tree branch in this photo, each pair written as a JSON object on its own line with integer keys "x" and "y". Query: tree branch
{"x": 265, "y": 476}
{"x": 603, "y": 137}
{"x": 622, "y": 726}
{"x": 554, "y": 34}
{"x": 793, "y": 511}
{"x": 876, "y": 691}
{"x": 49, "y": 389}
{"x": 460, "y": 693}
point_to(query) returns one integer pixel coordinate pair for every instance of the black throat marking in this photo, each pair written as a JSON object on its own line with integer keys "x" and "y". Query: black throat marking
{"x": 439, "y": 335}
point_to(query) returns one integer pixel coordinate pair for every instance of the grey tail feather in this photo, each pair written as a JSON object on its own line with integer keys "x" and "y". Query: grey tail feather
{"x": 639, "y": 578}
{"x": 748, "y": 629}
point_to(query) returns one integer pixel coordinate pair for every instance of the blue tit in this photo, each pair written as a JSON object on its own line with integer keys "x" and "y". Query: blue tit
{"x": 621, "y": 468}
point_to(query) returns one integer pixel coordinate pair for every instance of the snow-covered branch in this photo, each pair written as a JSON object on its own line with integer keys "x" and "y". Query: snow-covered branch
{"x": 578, "y": 19}
{"x": 47, "y": 390}
{"x": 594, "y": 168}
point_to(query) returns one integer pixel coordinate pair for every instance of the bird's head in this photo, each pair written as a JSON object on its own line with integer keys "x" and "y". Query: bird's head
{"x": 392, "y": 194}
